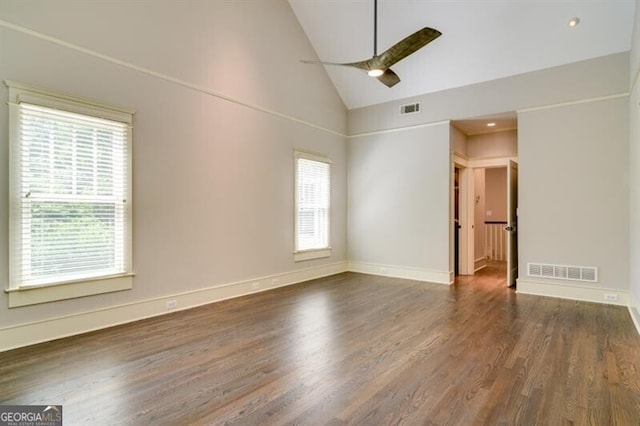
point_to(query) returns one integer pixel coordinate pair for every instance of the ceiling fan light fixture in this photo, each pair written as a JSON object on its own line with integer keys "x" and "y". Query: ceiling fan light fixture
{"x": 379, "y": 66}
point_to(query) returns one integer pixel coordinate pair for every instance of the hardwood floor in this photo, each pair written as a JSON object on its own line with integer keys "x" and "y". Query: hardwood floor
{"x": 348, "y": 349}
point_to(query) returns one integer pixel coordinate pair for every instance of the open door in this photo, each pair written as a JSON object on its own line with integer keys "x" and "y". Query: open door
{"x": 463, "y": 243}
{"x": 512, "y": 223}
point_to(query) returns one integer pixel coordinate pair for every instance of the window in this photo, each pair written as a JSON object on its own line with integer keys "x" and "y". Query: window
{"x": 313, "y": 186}
{"x": 70, "y": 201}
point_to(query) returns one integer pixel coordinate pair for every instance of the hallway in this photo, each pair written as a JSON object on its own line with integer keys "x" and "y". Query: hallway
{"x": 493, "y": 275}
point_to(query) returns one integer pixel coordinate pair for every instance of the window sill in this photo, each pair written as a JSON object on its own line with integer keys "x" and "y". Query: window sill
{"x": 299, "y": 256}
{"x": 25, "y": 296}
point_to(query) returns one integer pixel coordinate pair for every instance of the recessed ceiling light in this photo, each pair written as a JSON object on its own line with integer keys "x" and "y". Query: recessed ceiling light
{"x": 573, "y": 22}
{"x": 492, "y": 124}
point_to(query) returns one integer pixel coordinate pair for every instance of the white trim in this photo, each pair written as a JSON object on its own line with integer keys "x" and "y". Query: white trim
{"x": 308, "y": 155}
{"x": 466, "y": 233}
{"x": 52, "y": 99}
{"x": 486, "y": 132}
{"x": 635, "y": 317}
{"x": 536, "y": 108}
{"x": 20, "y": 335}
{"x": 460, "y": 159}
{"x": 480, "y": 263}
{"x": 489, "y": 162}
{"x": 24, "y": 296}
{"x": 576, "y": 102}
{"x": 398, "y": 129}
{"x": 571, "y": 292}
{"x": 405, "y": 272}
{"x": 316, "y": 252}
{"x": 147, "y": 71}
{"x": 302, "y": 255}
{"x": 481, "y": 162}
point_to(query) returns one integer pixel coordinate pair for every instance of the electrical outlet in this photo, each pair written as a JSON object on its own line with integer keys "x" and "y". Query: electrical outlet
{"x": 172, "y": 304}
{"x": 609, "y": 297}
{"x": 255, "y": 285}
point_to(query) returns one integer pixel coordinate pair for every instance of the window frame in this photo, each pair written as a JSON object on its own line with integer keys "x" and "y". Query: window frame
{"x": 313, "y": 253}
{"x": 23, "y": 295}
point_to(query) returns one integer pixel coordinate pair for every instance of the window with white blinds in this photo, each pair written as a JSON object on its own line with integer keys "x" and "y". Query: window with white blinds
{"x": 70, "y": 216}
{"x": 313, "y": 193}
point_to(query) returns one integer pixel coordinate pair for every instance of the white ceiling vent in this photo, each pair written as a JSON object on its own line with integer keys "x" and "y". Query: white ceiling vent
{"x": 563, "y": 272}
{"x": 410, "y": 108}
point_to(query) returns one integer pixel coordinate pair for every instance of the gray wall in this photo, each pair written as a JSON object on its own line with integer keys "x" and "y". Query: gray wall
{"x": 216, "y": 126}
{"x": 496, "y": 144}
{"x": 581, "y": 80}
{"x": 213, "y": 177}
{"x": 398, "y": 204}
{"x": 496, "y": 193}
{"x": 458, "y": 141}
{"x": 573, "y": 186}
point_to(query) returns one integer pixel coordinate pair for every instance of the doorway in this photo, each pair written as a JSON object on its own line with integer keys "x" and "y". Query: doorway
{"x": 481, "y": 233}
{"x": 495, "y": 200}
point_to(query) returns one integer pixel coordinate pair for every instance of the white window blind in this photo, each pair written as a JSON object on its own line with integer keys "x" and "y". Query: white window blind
{"x": 312, "y": 202}
{"x": 71, "y": 196}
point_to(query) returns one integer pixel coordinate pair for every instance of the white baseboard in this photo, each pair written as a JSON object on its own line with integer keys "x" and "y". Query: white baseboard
{"x": 480, "y": 263}
{"x": 41, "y": 331}
{"x": 572, "y": 292}
{"x": 428, "y": 275}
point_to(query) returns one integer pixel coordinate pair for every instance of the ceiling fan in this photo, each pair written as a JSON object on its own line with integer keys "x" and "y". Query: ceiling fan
{"x": 379, "y": 65}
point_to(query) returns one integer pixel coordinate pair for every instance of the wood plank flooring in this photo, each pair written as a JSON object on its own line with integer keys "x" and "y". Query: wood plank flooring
{"x": 348, "y": 349}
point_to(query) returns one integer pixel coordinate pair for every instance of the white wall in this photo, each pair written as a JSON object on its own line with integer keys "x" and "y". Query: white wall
{"x": 399, "y": 202}
{"x": 222, "y": 102}
{"x": 634, "y": 156}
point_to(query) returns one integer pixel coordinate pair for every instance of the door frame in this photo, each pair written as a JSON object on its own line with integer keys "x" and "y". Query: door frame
{"x": 512, "y": 223}
{"x": 466, "y": 264}
{"x": 466, "y": 211}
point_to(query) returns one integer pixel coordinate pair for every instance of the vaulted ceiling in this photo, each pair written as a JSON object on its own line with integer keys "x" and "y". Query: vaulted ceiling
{"x": 482, "y": 40}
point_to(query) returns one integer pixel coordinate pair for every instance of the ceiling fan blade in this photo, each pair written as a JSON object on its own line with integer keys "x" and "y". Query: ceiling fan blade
{"x": 363, "y": 65}
{"x": 389, "y": 78}
{"x": 395, "y": 53}
{"x": 406, "y": 47}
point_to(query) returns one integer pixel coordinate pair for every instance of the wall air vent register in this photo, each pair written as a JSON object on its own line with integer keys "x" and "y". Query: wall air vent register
{"x": 563, "y": 272}
{"x": 410, "y": 108}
